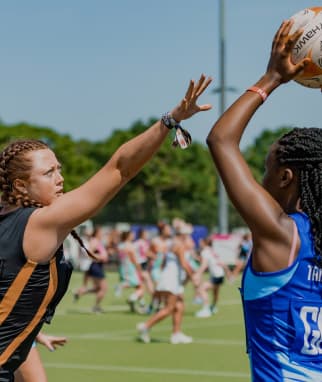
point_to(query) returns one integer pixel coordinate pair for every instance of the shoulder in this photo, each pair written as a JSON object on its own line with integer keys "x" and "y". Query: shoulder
{"x": 20, "y": 215}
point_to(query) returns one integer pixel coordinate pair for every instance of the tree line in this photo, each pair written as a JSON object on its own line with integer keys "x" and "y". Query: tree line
{"x": 175, "y": 183}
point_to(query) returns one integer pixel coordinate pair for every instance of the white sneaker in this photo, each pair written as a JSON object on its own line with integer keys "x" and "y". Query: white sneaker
{"x": 204, "y": 312}
{"x": 143, "y": 332}
{"x": 180, "y": 338}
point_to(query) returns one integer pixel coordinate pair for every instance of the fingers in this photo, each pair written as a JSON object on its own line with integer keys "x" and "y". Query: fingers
{"x": 205, "y": 107}
{"x": 287, "y": 25}
{"x": 201, "y": 86}
{"x": 184, "y": 104}
{"x": 289, "y": 45}
{"x": 283, "y": 40}
{"x": 187, "y": 106}
{"x": 282, "y": 37}
{"x": 190, "y": 90}
{"x": 279, "y": 33}
{"x": 194, "y": 91}
{"x": 52, "y": 345}
{"x": 60, "y": 341}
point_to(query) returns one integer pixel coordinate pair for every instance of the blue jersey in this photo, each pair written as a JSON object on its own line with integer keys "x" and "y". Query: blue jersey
{"x": 283, "y": 316}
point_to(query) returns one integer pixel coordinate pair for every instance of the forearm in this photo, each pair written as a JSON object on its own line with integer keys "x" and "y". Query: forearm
{"x": 132, "y": 155}
{"x": 223, "y": 141}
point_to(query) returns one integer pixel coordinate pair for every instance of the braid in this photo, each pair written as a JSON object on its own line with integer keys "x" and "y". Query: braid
{"x": 15, "y": 165}
{"x": 301, "y": 149}
{"x": 75, "y": 235}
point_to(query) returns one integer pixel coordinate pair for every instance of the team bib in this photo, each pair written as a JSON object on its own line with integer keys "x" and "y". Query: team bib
{"x": 307, "y": 318}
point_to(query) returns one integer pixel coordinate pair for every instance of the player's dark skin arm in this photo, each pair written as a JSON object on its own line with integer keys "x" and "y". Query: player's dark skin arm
{"x": 271, "y": 228}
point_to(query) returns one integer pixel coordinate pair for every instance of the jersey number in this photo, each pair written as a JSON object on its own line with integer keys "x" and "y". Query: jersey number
{"x": 311, "y": 317}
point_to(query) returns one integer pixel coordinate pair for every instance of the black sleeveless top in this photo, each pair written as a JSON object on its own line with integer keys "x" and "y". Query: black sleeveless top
{"x": 29, "y": 292}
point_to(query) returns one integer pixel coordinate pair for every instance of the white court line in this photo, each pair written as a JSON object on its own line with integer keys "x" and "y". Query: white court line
{"x": 147, "y": 370}
{"x": 125, "y": 308}
{"x": 202, "y": 341}
{"x": 127, "y": 332}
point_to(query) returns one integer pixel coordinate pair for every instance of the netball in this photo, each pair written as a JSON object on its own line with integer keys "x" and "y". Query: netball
{"x": 309, "y": 45}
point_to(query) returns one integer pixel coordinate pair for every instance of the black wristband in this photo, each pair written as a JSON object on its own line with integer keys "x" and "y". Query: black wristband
{"x": 169, "y": 121}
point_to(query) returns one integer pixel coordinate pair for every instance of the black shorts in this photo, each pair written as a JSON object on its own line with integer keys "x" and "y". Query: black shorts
{"x": 144, "y": 265}
{"x": 6, "y": 376}
{"x": 217, "y": 280}
{"x": 96, "y": 270}
{"x": 243, "y": 257}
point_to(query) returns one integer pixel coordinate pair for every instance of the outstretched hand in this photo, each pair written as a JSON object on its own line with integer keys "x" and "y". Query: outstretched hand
{"x": 280, "y": 65}
{"x": 188, "y": 106}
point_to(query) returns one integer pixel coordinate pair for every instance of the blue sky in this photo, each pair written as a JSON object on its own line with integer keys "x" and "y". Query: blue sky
{"x": 86, "y": 67}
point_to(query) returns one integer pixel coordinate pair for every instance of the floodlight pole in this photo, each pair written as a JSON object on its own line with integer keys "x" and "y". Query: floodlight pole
{"x": 222, "y": 196}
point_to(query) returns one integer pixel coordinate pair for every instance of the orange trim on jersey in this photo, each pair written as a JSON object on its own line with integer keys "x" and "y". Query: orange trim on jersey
{"x": 14, "y": 291}
{"x": 52, "y": 287}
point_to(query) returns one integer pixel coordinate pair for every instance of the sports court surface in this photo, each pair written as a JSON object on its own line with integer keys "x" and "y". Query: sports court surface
{"x": 104, "y": 347}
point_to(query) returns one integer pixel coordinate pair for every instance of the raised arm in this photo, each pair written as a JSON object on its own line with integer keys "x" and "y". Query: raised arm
{"x": 54, "y": 222}
{"x": 262, "y": 213}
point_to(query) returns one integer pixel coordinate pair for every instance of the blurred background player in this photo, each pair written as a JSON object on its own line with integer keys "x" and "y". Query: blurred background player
{"x": 142, "y": 251}
{"x": 244, "y": 251}
{"x": 96, "y": 272}
{"x": 171, "y": 291}
{"x": 130, "y": 270}
{"x": 217, "y": 270}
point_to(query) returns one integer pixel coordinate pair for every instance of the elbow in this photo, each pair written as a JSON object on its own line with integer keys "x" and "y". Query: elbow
{"x": 122, "y": 168}
{"x": 213, "y": 140}
{"x": 220, "y": 139}
{"x": 214, "y": 135}
{"x": 210, "y": 140}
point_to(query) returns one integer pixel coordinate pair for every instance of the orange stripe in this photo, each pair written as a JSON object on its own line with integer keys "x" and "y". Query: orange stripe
{"x": 52, "y": 287}
{"x": 14, "y": 291}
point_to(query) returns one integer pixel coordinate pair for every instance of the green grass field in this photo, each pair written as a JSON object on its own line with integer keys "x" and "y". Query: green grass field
{"x": 104, "y": 347}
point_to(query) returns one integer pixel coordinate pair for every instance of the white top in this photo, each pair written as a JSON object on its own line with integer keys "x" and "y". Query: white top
{"x": 215, "y": 267}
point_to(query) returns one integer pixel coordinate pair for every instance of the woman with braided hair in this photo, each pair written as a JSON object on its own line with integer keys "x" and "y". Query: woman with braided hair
{"x": 282, "y": 281}
{"x": 36, "y": 216}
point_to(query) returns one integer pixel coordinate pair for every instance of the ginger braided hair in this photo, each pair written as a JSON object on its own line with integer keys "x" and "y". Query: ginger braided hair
{"x": 301, "y": 149}
{"x": 14, "y": 164}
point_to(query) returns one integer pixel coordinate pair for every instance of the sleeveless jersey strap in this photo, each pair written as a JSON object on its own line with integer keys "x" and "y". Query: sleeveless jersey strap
{"x": 294, "y": 241}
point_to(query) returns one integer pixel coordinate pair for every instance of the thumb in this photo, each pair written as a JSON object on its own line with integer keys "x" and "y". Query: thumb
{"x": 302, "y": 65}
{"x": 205, "y": 107}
